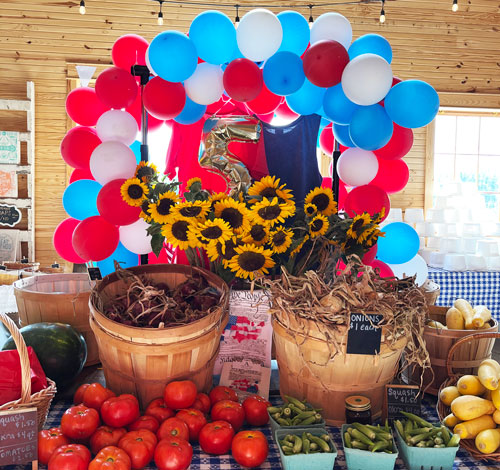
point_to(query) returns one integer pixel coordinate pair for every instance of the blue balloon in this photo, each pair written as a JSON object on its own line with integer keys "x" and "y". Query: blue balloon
{"x": 412, "y": 103}
{"x": 126, "y": 258}
{"x": 307, "y": 100}
{"x": 136, "y": 148}
{"x": 371, "y": 44}
{"x": 370, "y": 128}
{"x": 296, "y": 32}
{"x": 342, "y": 136}
{"x": 214, "y": 37}
{"x": 399, "y": 245}
{"x": 80, "y": 199}
{"x": 283, "y": 73}
{"x": 173, "y": 56}
{"x": 191, "y": 113}
{"x": 338, "y": 108}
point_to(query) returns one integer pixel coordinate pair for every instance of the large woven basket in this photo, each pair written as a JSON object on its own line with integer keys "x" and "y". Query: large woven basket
{"x": 40, "y": 400}
{"x": 443, "y": 410}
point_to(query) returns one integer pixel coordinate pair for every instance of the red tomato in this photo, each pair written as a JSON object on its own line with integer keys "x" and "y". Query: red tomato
{"x": 106, "y": 436}
{"x": 78, "y": 398}
{"x": 180, "y": 394}
{"x": 249, "y": 448}
{"x": 111, "y": 458}
{"x": 194, "y": 419}
{"x": 145, "y": 422}
{"x": 140, "y": 447}
{"x": 120, "y": 411}
{"x": 70, "y": 457}
{"x": 230, "y": 411}
{"x": 215, "y": 438}
{"x": 79, "y": 422}
{"x": 173, "y": 427}
{"x": 159, "y": 410}
{"x": 256, "y": 410}
{"x": 222, "y": 392}
{"x": 95, "y": 395}
{"x": 202, "y": 403}
{"x": 48, "y": 441}
{"x": 173, "y": 454}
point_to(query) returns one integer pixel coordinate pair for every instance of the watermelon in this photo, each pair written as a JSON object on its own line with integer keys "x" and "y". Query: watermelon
{"x": 61, "y": 350}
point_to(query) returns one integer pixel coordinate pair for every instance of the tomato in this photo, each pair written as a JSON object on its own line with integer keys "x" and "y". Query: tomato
{"x": 159, "y": 410}
{"x": 106, "y": 436}
{"x": 249, "y": 448}
{"x": 120, "y": 411}
{"x": 70, "y": 457}
{"x": 173, "y": 454}
{"x": 202, "y": 403}
{"x": 194, "y": 419}
{"x": 95, "y": 395}
{"x": 173, "y": 427}
{"x": 180, "y": 394}
{"x": 256, "y": 410}
{"x": 79, "y": 422}
{"x": 215, "y": 438}
{"x": 78, "y": 397}
{"x": 111, "y": 458}
{"x": 222, "y": 392}
{"x": 145, "y": 422}
{"x": 230, "y": 411}
{"x": 140, "y": 447}
{"x": 48, "y": 441}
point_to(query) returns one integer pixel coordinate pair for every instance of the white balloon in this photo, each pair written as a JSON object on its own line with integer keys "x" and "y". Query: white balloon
{"x": 112, "y": 160}
{"x": 148, "y": 63}
{"x": 416, "y": 266}
{"x": 357, "y": 167}
{"x": 135, "y": 238}
{"x": 205, "y": 86}
{"x": 367, "y": 79}
{"x": 259, "y": 34}
{"x": 117, "y": 125}
{"x": 332, "y": 26}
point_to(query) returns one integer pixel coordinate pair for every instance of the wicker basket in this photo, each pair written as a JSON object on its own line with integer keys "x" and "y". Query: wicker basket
{"x": 40, "y": 400}
{"x": 443, "y": 410}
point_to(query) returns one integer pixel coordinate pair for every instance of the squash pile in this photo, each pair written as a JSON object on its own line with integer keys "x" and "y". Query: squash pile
{"x": 462, "y": 316}
{"x": 475, "y": 407}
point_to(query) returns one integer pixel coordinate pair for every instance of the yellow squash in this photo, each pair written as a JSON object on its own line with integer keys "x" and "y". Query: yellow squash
{"x": 487, "y": 395}
{"x": 451, "y": 421}
{"x": 448, "y": 394}
{"x": 489, "y": 374}
{"x": 495, "y": 398}
{"x": 482, "y": 315}
{"x": 488, "y": 441}
{"x": 437, "y": 325}
{"x": 469, "y": 407}
{"x": 496, "y": 416}
{"x": 466, "y": 310}
{"x": 470, "y": 429}
{"x": 470, "y": 385}
{"x": 455, "y": 319}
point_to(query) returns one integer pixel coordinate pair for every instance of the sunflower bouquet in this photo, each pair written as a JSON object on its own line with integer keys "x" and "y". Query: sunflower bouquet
{"x": 252, "y": 234}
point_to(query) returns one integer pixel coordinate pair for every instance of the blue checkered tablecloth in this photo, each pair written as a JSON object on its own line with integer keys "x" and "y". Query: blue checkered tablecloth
{"x": 478, "y": 287}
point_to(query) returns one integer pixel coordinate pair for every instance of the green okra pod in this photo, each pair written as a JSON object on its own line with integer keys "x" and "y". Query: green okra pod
{"x": 296, "y": 402}
{"x": 358, "y": 435}
{"x": 359, "y": 445}
{"x": 324, "y": 446}
{"x": 417, "y": 419}
{"x": 369, "y": 433}
{"x": 297, "y": 446}
{"x": 306, "y": 443}
{"x": 347, "y": 440}
{"x": 454, "y": 440}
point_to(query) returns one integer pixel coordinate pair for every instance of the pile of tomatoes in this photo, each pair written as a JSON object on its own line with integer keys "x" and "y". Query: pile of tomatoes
{"x": 112, "y": 429}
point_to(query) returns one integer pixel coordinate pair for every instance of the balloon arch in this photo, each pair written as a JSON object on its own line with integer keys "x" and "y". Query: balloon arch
{"x": 271, "y": 65}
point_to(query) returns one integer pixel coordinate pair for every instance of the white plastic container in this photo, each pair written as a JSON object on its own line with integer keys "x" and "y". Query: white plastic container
{"x": 436, "y": 259}
{"x": 395, "y": 214}
{"x": 440, "y": 202}
{"x": 493, "y": 263}
{"x": 435, "y": 215}
{"x": 487, "y": 248}
{"x": 454, "y": 262}
{"x": 450, "y": 245}
{"x": 434, "y": 243}
{"x": 424, "y": 229}
{"x": 476, "y": 263}
{"x": 422, "y": 242}
{"x": 469, "y": 245}
{"x": 471, "y": 229}
{"x": 425, "y": 253}
{"x": 414, "y": 215}
{"x": 452, "y": 230}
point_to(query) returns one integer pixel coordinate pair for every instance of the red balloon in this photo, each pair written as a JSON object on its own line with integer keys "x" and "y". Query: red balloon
{"x": 135, "y": 109}
{"x": 326, "y": 140}
{"x": 367, "y": 198}
{"x": 283, "y": 111}
{"x": 265, "y": 103}
{"x": 164, "y": 100}
{"x": 324, "y": 63}
{"x": 129, "y": 50}
{"x": 343, "y": 147}
{"x": 327, "y": 182}
{"x": 79, "y": 174}
{"x": 266, "y": 117}
{"x": 369, "y": 256}
{"x": 243, "y": 80}
{"x": 392, "y": 176}
{"x": 384, "y": 269}
{"x": 84, "y": 107}
{"x": 342, "y": 195}
{"x": 116, "y": 88}
{"x": 77, "y": 146}
{"x": 62, "y": 241}
{"x": 400, "y": 144}
{"x": 95, "y": 238}
{"x": 113, "y": 208}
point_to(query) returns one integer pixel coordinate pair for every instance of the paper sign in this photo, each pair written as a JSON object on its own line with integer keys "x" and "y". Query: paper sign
{"x": 246, "y": 378}
{"x": 8, "y": 183}
{"x": 10, "y": 148}
{"x": 9, "y": 242}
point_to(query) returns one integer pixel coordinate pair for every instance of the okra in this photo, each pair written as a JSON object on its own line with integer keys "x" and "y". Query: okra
{"x": 359, "y": 445}
{"x": 380, "y": 445}
{"x": 383, "y": 435}
{"x": 310, "y": 420}
{"x": 361, "y": 437}
{"x": 454, "y": 440}
{"x": 325, "y": 437}
{"x": 274, "y": 409}
{"x": 400, "y": 428}
{"x": 438, "y": 440}
{"x": 297, "y": 447}
{"x": 313, "y": 446}
{"x": 283, "y": 422}
{"x": 296, "y": 402}
{"x": 306, "y": 443}
{"x": 324, "y": 446}
{"x": 446, "y": 434}
{"x": 347, "y": 440}
{"x": 408, "y": 425}
{"x": 370, "y": 434}
{"x": 439, "y": 446}
{"x": 424, "y": 436}
{"x": 287, "y": 412}
{"x": 417, "y": 419}
{"x": 305, "y": 414}
{"x": 416, "y": 431}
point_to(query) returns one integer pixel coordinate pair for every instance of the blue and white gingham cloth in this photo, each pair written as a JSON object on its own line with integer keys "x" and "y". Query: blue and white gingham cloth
{"x": 478, "y": 287}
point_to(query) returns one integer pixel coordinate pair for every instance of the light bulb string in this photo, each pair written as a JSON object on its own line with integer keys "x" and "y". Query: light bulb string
{"x": 261, "y": 5}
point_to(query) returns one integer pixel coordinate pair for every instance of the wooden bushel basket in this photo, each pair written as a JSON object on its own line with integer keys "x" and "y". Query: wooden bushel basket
{"x": 142, "y": 361}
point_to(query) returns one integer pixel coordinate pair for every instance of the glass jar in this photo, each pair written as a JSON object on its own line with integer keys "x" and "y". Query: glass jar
{"x": 358, "y": 409}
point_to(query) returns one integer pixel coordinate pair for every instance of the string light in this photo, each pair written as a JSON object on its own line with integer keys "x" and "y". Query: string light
{"x": 382, "y": 13}
{"x": 82, "y": 7}
{"x": 311, "y": 19}
{"x": 160, "y": 15}
{"x": 454, "y": 7}
{"x": 237, "y": 19}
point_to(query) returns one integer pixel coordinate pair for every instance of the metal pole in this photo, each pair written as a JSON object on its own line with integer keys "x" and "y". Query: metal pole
{"x": 335, "y": 176}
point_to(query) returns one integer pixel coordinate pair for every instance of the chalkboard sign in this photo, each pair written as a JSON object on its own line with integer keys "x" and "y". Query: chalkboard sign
{"x": 55, "y": 265}
{"x": 9, "y": 215}
{"x": 401, "y": 398}
{"x": 3, "y": 267}
{"x": 364, "y": 337}
{"x": 24, "y": 261}
{"x": 18, "y": 436}
{"x": 94, "y": 274}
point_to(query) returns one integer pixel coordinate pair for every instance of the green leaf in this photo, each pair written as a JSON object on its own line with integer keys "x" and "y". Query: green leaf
{"x": 157, "y": 243}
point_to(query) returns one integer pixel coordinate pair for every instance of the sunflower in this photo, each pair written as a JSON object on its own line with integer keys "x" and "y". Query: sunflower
{"x": 269, "y": 187}
{"x": 211, "y": 231}
{"x": 145, "y": 212}
{"x": 160, "y": 211}
{"x": 250, "y": 259}
{"x": 224, "y": 251}
{"x": 297, "y": 249}
{"x": 322, "y": 198}
{"x": 134, "y": 192}
{"x": 380, "y": 216}
{"x": 215, "y": 198}
{"x": 358, "y": 226}
{"x": 280, "y": 239}
{"x": 235, "y": 213}
{"x": 192, "y": 181}
{"x": 176, "y": 231}
{"x": 145, "y": 171}
{"x": 373, "y": 236}
{"x": 310, "y": 210}
{"x": 192, "y": 210}
{"x": 258, "y": 235}
{"x": 318, "y": 226}
{"x": 270, "y": 211}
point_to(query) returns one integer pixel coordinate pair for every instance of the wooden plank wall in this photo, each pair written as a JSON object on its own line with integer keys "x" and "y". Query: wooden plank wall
{"x": 458, "y": 53}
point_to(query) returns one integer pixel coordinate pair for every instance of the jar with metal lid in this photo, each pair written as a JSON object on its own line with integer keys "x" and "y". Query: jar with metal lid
{"x": 358, "y": 409}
